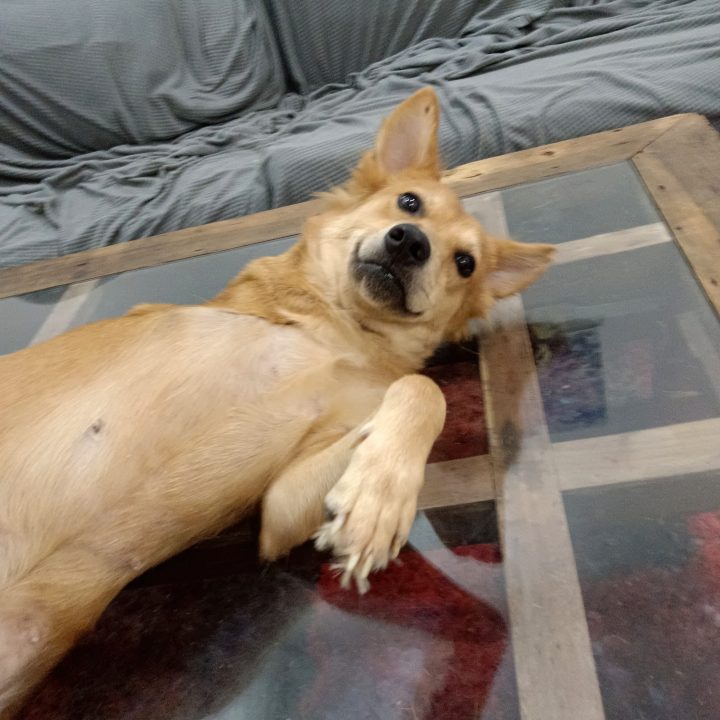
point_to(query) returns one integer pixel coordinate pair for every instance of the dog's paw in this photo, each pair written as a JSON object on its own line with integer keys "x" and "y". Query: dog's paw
{"x": 369, "y": 514}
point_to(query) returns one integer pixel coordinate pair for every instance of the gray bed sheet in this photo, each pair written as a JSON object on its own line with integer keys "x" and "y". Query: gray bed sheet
{"x": 520, "y": 74}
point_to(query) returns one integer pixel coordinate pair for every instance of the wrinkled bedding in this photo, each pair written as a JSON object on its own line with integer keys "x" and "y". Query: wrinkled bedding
{"x": 518, "y": 74}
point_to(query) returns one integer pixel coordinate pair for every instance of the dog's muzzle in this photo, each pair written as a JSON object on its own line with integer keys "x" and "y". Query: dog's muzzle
{"x": 387, "y": 274}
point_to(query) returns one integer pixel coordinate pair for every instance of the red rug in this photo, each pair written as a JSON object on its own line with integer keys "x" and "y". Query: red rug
{"x": 465, "y": 433}
{"x": 415, "y": 646}
{"x": 656, "y": 633}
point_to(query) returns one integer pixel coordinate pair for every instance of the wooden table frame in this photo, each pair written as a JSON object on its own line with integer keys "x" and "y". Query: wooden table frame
{"x": 678, "y": 159}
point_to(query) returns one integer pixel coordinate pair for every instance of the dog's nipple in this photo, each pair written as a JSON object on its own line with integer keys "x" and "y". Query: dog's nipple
{"x": 97, "y": 426}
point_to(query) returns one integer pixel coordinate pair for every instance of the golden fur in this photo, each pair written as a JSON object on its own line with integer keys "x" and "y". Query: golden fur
{"x": 124, "y": 441}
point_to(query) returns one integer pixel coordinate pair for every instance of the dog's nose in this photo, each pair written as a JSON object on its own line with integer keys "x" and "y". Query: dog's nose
{"x": 407, "y": 243}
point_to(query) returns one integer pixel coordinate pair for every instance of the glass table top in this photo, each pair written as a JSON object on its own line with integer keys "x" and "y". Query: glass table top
{"x": 648, "y": 558}
{"x": 624, "y": 342}
{"x": 601, "y": 527}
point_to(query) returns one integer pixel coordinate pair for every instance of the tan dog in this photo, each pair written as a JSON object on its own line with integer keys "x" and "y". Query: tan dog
{"x": 124, "y": 441}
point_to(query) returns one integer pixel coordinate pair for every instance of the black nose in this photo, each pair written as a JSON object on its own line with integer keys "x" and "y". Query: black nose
{"x": 407, "y": 243}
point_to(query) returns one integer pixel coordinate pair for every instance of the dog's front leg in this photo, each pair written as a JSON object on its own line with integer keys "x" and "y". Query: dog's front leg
{"x": 373, "y": 504}
{"x": 292, "y": 508}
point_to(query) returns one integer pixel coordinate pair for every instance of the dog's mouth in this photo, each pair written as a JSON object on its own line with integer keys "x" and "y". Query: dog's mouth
{"x": 380, "y": 280}
{"x": 382, "y": 283}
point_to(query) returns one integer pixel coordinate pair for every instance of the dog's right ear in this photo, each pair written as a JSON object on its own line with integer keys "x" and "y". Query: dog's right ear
{"x": 407, "y": 141}
{"x": 408, "y": 138}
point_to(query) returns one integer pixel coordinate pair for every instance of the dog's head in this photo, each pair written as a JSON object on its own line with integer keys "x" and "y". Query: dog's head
{"x": 395, "y": 246}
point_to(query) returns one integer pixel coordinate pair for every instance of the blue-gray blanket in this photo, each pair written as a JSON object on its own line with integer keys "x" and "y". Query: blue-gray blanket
{"x": 123, "y": 120}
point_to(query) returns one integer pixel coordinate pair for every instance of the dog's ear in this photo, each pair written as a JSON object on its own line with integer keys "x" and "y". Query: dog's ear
{"x": 408, "y": 138}
{"x": 407, "y": 141}
{"x": 510, "y": 267}
{"x": 514, "y": 265}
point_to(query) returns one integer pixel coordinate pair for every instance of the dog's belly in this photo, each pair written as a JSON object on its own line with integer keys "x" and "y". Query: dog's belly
{"x": 150, "y": 433}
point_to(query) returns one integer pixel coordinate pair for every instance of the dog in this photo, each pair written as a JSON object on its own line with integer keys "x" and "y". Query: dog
{"x": 296, "y": 389}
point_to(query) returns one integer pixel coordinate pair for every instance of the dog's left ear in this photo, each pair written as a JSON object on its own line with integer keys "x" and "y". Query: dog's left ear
{"x": 514, "y": 265}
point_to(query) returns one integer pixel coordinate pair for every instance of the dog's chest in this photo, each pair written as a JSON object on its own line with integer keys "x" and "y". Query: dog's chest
{"x": 288, "y": 373}
{"x": 310, "y": 381}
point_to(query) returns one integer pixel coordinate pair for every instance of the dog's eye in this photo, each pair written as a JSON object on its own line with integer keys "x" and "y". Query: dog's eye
{"x": 465, "y": 264}
{"x": 409, "y": 203}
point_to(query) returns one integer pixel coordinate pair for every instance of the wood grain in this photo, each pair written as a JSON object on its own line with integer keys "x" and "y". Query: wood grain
{"x": 555, "y": 667}
{"x": 644, "y": 455}
{"x": 611, "y": 243}
{"x": 489, "y": 174}
{"x": 546, "y": 161}
{"x": 681, "y": 169}
{"x": 156, "y": 250}
{"x": 457, "y": 482}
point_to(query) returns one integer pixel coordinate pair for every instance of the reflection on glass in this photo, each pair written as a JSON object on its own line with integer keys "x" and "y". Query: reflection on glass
{"x": 189, "y": 281}
{"x": 624, "y": 342}
{"x": 648, "y": 558}
{"x": 184, "y": 282}
{"x": 22, "y": 316}
{"x": 578, "y": 205}
{"x": 212, "y": 635}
